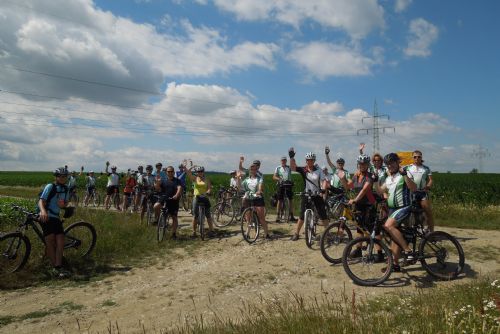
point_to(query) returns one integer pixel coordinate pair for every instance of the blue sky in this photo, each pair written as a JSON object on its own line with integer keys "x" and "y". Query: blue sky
{"x": 251, "y": 78}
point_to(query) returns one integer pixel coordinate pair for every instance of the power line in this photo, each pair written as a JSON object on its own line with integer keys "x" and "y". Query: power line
{"x": 375, "y": 129}
{"x": 480, "y": 153}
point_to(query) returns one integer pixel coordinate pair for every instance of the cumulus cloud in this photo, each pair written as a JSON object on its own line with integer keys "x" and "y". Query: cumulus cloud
{"x": 422, "y": 34}
{"x": 322, "y": 60}
{"x": 356, "y": 17}
{"x": 401, "y": 5}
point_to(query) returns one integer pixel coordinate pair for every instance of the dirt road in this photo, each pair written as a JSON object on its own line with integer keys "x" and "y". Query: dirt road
{"x": 219, "y": 277}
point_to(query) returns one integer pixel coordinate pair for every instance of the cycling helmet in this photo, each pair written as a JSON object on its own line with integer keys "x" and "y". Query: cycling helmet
{"x": 232, "y": 172}
{"x": 149, "y": 167}
{"x": 340, "y": 161}
{"x": 363, "y": 159}
{"x": 200, "y": 169}
{"x": 310, "y": 155}
{"x": 91, "y": 172}
{"x": 61, "y": 171}
{"x": 324, "y": 167}
{"x": 256, "y": 162}
{"x": 283, "y": 158}
{"x": 391, "y": 157}
{"x": 140, "y": 168}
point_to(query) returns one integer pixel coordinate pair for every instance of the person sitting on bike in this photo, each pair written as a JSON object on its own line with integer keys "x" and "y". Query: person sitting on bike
{"x": 335, "y": 181}
{"x": 396, "y": 189}
{"x": 169, "y": 192}
{"x": 314, "y": 181}
{"x": 364, "y": 201}
{"x": 50, "y": 222}
{"x": 202, "y": 188}
{"x": 253, "y": 187}
{"x": 129, "y": 190}
{"x": 283, "y": 176}
{"x": 90, "y": 182}
{"x": 146, "y": 182}
{"x": 112, "y": 186}
{"x": 423, "y": 178}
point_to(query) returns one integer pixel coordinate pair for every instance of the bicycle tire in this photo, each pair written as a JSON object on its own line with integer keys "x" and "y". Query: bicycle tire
{"x": 223, "y": 214}
{"x": 449, "y": 257}
{"x": 309, "y": 227}
{"x": 81, "y": 237}
{"x": 365, "y": 270}
{"x": 162, "y": 227}
{"x": 15, "y": 250}
{"x": 201, "y": 221}
{"x": 250, "y": 227}
{"x": 333, "y": 241}
{"x": 116, "y": 200}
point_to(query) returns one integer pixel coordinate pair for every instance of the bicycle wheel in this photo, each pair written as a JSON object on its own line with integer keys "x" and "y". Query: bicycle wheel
{"x": 79, "y": 239}
{"x": 364, "y": 268}
{"x": 250, "y": 227}
{"x": 162, "y": 226}
{"x": 223, "y": 214}
{"x": 309, "y": 227}
{"x": 150, "y": 214}
{"x": 441, "y": 255}
{"x": 333, "y": 241}
{"x": 201, "y": 221}
{"x": 96, "y": 200}
{"x": 15, "y": 249}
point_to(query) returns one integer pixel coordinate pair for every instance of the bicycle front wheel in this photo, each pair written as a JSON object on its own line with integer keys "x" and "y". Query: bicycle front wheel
{"x": 333, "y": 241}
{"x": 441, "y": 255}
{"x": 15, "y": 249}
{"x": 250, "y": 227}
{"x": 309, "y": 227}
{"x": 223, "y": 214}
{"x": 162, "y": 227}
{"x": 364, "y": 265}
{"x": 79, "y": 239}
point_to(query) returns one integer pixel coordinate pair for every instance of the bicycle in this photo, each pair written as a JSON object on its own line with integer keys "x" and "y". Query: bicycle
{"x": 223, "y": 212}
{"x": 73, "y": 197}
{"x": 92, "y": 197}
{"x": 250, "y": 223}
{"x": 310, "y": 217}
{"x": 129, "y": 202}
{"x": 163, "y": 220}
{"x": 15, "y": 247}
{"x": 439, "y": 253}
{"x": 114, "y": 200}
{"x": 200, "y": 217}
{"x": 283, "y": 212}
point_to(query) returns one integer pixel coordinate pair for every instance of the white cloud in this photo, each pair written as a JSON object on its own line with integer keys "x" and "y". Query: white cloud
{"x": 357, "y": 17}
{"x": 323, "y": 60}
{"x": 422, "y": 34}
{"x": 401, "y": 5}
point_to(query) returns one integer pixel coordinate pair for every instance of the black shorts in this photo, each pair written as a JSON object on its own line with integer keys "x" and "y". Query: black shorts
{"x": 258, "y": 202}
{"x": 111, "y": 189}
{"x": 52, "y": 226}
{"x": 196, "y": 201}
{"x": 319, "y": 203}
{"x": 285, "y": 190}
{"x": 172, "y": 204}
{"x": 90, "y": 189}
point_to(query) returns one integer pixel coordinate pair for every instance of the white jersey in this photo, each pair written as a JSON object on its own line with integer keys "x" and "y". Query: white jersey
{"x": 420, "y": 175}
{"x": 285, "y": 173}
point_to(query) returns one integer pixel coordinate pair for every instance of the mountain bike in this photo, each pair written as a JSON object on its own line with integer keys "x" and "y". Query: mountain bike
{"x": 310, "y": 217}
{"x": 93, "y": 197}
{"x": 250, "y": 224}
{"x": 15, "y": 247}
{"x": 163, "y": 219}
{"x": 114, "y": 200}
{"x": 439, "y": 253}
{"x": 200, "y": 215}
{"x": 283, "y": 212}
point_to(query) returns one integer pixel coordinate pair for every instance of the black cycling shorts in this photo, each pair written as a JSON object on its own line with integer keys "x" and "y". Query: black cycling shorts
{"x": 90, "y": 189}
{"x": 52, "y": 226}
{"x": 111, "y": 190}
{"x": 285, "y": 190}
{"x": 258, "y": 202}
{"x": 196, "y": 201}
{"x": 319, "y": 203}
{"x": 172, "y": 204}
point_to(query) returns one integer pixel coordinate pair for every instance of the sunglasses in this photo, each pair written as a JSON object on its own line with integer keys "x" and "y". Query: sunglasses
{"x": 170, "y": 171}
{"x": 417, "y": 157}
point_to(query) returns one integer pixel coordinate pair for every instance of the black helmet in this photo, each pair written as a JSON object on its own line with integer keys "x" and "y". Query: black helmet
{"x": 61, "y": 171}
{"x": 340, "y": 161}
{"x": 390, "y": 158}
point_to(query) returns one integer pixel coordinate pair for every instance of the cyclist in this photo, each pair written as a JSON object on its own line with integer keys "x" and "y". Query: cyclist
{"x": 202, "y": 188}
{"x": 423, "y": 178}
{"x": 169, "y": 191}
{"x": 50, "y": 222}
{"x": 396, "y": 189}
{"x": 181, "y": 175}
{"x": 335, "y": 182}
{"x": 72, "y": 182}
{"x": 253, "y": 186}
{"x": 159, "y": 171}
{"x": 90, "y": 182}
{"x": 314, "y": 181}
{"x": 137, "y": 190}
{"x": 255, "y": 162}
{"x": 147, "y": 188}
{"x": 113, "y": 184}
{"x": 128, "y": 190}
{"x": 283, "y": 176}
{"x": 233, "y": 182}
{"x": 377, "y": 167}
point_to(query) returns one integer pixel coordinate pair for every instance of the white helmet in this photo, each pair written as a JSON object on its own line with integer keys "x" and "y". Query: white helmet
{"x": 363, "y": 159}
{"x": 310, "y": 155}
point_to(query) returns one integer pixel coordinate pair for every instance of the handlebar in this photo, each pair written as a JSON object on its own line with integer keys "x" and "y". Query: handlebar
{"x": 26, "y": 212}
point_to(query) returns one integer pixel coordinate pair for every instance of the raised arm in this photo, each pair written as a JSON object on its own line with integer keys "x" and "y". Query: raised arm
{"x": 240, "y": 165}
{"x": 409, "y": 181}
{"x": 291, "y": 154}
{"x": 190, "y": 175}
{"x": 330, "y": 163}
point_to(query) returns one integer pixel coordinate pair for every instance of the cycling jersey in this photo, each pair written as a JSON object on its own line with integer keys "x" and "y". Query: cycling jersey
{"x": 335, "y": 181}
{"x": 90, "y": 181}
{"x": 200, "y": 187}
{"x": 312, "y": 178}
{"x": 285, "y": 173}
{"x": 168, "y": 187}
{"x": 71, "y": 183}
{"x": 399, "y": 193}
{"x": 381, "y": 173}
{"x": 113, "y": 180}
{"x": 420, "y": 175}
{"x": 251, "y": 186}
{"x": 61, "y": 194}
{"x": 358, "y": 183}
{"x": 233, "y": 183}
{"x": 130, "y": 184}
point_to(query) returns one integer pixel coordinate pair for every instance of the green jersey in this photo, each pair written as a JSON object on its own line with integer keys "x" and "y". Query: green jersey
{"x": 399, "y": 193}
{"x": 420, "y": 175}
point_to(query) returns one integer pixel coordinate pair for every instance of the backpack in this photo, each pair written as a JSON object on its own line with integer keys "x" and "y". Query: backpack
{"x": 52, "y": 193}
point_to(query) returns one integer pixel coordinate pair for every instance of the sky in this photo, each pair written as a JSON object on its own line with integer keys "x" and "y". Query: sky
{"x": 136, "y": 82}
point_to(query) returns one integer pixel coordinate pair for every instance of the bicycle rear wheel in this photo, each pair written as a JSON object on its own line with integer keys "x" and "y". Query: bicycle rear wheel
{"x": 162, "y": 226}
{"x": 333, "y": 241}
{"x": 365, "y": 268}
{"x": 223, "y": 214}
{"x": 201, "y": 221}
{"x": 15, "y": 249}
{"x": 309, "y": 227}
{"x": 250, "y": 227}
{"x": 441, "y": 255}
{"x": 79, "y": 239}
